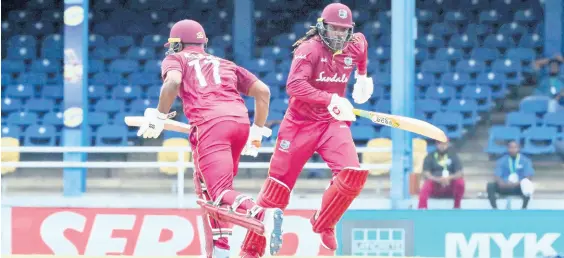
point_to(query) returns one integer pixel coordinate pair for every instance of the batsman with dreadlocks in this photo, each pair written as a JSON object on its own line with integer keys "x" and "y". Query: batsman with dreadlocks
{"x": 210, "y": 90}
{"x": 318, "y": 120}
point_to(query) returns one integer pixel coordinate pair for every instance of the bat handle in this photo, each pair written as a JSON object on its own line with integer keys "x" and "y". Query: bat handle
{"x": 362, "y": 113}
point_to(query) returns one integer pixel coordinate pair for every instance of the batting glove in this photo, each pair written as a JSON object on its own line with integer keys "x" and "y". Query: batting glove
{"x": 153, "y": 125}
{"x": 255, "y": 138}
{"x": 363, "y": 88}
{"x": 341, "y": 109}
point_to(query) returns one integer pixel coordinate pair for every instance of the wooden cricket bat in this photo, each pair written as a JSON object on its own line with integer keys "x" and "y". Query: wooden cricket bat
{"x": 404, "y": 123}
{"x": 170, "y": 125}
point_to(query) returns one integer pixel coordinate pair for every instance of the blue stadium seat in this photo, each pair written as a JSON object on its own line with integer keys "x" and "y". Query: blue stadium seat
{"x": 39, "y": 28}
{"x": 383, "y": 105}
{"x": 484, "y": 54}
{"x": 105, "y": 53}
{"x": 13, "y": 66}
{"x": 275, "y": 53}
{"x": 525, "y": 55}
{"x": 22, "y": 118}
{"x": 250, "y": 104}
{"x": 275, "y": 116}
{"x": 110, "y": 105}
{"x": 520, "y": 119}
{"x": 425, "y": 16}
{"x": 217, "y": 51}
{"x": 379, "y": 53}
{"x": 430, "y": 41}
{"x": 53, "y": 118}
{"x": 54, "y": 41}
{"x": 462, "y": 41}
{"x": 513, "y": 29}
{"x": 524, "y": 16}
{"x": 138, "y": 106}
{"x": 11, "y": 105}
{"x": 496, "y": 82}
{"x": 260, "y": 65}
{"x": 467, "y": 107}
{"x": 499, "y": 136}
{"x": 385, "y": 132}
{"x": 123, "y": 66}
{"x": 482, "y": 95}
{"x": 119, "y": 118}
{"x": 96, "y": 66}
{"x": 97, "y": 92}
{"x": 471, "y": 66}
{"x": 511, "y": 68}
{"x": 127, "y": 92}
{"x": 455, "y": 79}
{"x": 443, "y": 29}
{"x": 40, "y": 105}
{"x": 11, "y": 131}
{"x": 143, "y": 78}
{"x": 531, "y": 41}
{"x": 7, "y": 79}
{"x": 448, "y": 54}
{"x": 121, "y": 41}
{"x": 98, "y": 118}
{"x": 141, "y": 53}
{"x": 424, "y": 80}
{"x": 111, "y": 135}
{"x": 33, "y": 78}
{"x": 489, "y": 16}
{"x": 40, "y": 135}
{"x": 21, "y": 53}
{"x": 152, "y": 66}
{"x": 476, "y": 30}
{"x": 363, "y": 133}
{"x": 382, "y": 80}
{"x": 19, "y": 16}
{"x": 96, "y": 41}
{"x": 153, "y": 92}
{"x": 105, "y": 79}
{"x": 222, "y": 41}
{"x": 556, "y": 120}
{"x": 105, "y": 5}
{"x": 428, "y": 107}
{"x": 444, "y": 94}
{"x": 421, "y": 54}
{"x": 23, "y": 41}
{"x": 539, "y": 140}
{"x": 153, "y": 40}
{"x": 498, "y": 41}
{"x": 456, "y": 17}
{"x": 40, "y": 4}
{"x": 435, "y": 66}
{"x": 19, "y": 91}
{"x": 279, "y": 104}
{"x": 172, "y": 134}
{"x": 46, "y": 66}
{"x": 52, "y": 15}
{"x": 452, "y": 121}
{"x": 537, "y": 105}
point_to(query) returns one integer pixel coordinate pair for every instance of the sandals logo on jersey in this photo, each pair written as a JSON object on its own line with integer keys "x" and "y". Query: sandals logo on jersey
{"x": 385, "y": 121}
{"x": 341, "y": 79}
{"x": 284, "y": 145}
{"x": 298, "y": 56}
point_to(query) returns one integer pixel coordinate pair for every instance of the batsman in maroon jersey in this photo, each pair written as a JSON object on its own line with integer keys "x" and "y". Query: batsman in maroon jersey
{"x": 210, "y": 90}
{"x": 318, "y": 120}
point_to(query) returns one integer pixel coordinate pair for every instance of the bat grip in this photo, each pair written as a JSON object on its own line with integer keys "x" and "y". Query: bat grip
{"x": 362, "y": 113}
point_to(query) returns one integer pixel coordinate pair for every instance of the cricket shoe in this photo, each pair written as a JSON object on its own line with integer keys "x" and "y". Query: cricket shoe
{"x": 220, "y": 252}
{"x": 328, "y": 239}
{"x": 249, "y": 255}
{"x": 272, "y": 221}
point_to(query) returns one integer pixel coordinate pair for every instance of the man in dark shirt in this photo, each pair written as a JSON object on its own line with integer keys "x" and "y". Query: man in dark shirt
{"x": 442, "y": 171}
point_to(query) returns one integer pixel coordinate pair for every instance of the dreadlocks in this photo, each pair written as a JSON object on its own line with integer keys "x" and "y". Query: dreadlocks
{"x": 310, "y": 33}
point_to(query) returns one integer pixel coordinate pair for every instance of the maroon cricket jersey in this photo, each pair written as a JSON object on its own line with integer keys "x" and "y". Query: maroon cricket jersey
{"x": 317, "y": 73}
{"x": 211, "y": 86}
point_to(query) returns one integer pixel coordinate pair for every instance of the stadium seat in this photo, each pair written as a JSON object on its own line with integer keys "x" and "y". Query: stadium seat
{"x": 12, "y": 131}
{"x": 363, "y": 133}
{"x": 13, "y": 66}
{"x": 455, "y": 79}
{"x": 19, "y": 91}
{"x": 97, "y": 92}
{"x": 121, "y": 41}
{"x": 173, "y": 156}
{"x": 54, "y": 92}
{"x": 537, "y": 105}
{"x": 484, "y": 54}
{"x": 40, "y": 135}
{"x": 443, "y": 94}
{"x": 471, "y": 66}
{"x": 111, "y": 135}
{"x": 153, "y": 92}
{"x": 275, "y": 53}
{"x": 452, "y": 121}
{"x": 54, "y": 41}
{"x": 141, "y": 53}
{"x": 378, "y": 157}
{"x": 448, "y": 54}
{"x": 139, "y": 105}
{"x": 22, "y": 118}
{"x": 7, "y": 141}
{"x": 153, "y": 40}
{"x": 467, "y": 107}
{"x": 385, "y": 132}
{"x": 11, "y": 105}
{"x": 144, "y": 78}
{"x": 424, "y": 80}
{"x": 54, "y": 118}
{"x": 152, "y": 66}
{"x": 40, "y": 106}
{"x": 22, "y": 41}
{"x": 511, "y": 68}
{"x": 110, "y": 105}
{"x": 122, "y": 66}
{"x": 98, "y": 118}
{"x": 428, "y": 106}
{"x": 127, "y": 92}
{"x": 495, "y": 81}
{"x": 539, "y": 140}
{"x": 105, "y": 79}
{"x": 513, "y": 29}
{"x": 556, "y": 120}
{"x": 384, "y": 106}
{"x": 482, "y": 95}
{"x": 520, "y": 119}
{"x": 435, "y": 66}
{"x": 279, "y": 104}
{"x": 35, "y": 79}
{"x": 96, "y": 66}
{"x": 499, "y": 136}
{"x": 463, "y": 41}
{"x": 21, "y": 53}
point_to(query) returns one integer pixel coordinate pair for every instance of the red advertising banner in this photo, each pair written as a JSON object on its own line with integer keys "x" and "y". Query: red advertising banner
{"x": 146, "y": 232}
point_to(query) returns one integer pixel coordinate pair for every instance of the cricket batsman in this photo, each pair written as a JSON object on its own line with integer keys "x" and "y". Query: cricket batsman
{"x": 318, "y": 120}
{"x": 209, "y": 87}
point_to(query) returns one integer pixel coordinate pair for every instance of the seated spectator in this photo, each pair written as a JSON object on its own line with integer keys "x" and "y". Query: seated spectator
{"x": 551, "y": 85}
{"x": 443, "y": 172}
{"x": 512, "y": 176}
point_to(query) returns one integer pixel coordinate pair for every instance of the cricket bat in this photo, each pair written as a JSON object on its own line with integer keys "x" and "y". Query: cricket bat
{"x": 404, "y": 123}
{"x": 169, "y": 125}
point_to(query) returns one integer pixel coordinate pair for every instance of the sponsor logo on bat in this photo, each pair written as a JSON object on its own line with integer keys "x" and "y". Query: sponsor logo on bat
{"x": 385, "y": 121}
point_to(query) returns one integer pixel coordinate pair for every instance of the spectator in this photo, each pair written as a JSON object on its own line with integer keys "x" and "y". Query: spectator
{"x": 443, "y": 172}
{"x": 552, "y": 85}
{"x": 512, "y": 176}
